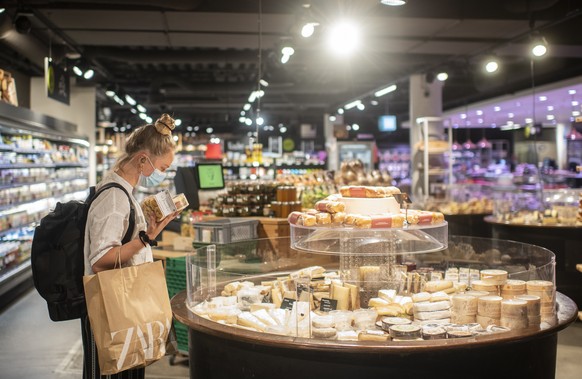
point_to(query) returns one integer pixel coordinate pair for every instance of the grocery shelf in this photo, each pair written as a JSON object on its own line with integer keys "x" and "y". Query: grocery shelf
{"x": 58, "y": 180}
{"x": 17, "y": 228}
{"x": 34, "y": 165}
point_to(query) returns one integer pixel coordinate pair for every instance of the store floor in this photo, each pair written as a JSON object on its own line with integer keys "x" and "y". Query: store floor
{"x": 32, "y": 346}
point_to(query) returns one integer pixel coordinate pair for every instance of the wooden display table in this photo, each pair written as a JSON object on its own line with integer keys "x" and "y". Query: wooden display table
{"x": 220, "y": 351}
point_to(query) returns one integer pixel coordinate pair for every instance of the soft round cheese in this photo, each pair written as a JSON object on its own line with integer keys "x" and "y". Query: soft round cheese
{"x": 489, "y": 306}
{"x": 513, "y": 285}
{"x": 539, "y": 285}
{"x": 514, "y": 323}
{"x": 405, "y": 331}
{"x": 481, "y": 285}
{"x": 514, "y": 308}
{"x": 496, "y": 277}
{"x": 457, "y": 318}
{"x": 464, "y": 304}
{"x": 533, "y": 304}
{"x": 487, "y": 321}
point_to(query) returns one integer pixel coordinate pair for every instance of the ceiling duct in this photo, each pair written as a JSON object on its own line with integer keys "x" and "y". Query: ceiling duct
{"x": 24, "y": 44}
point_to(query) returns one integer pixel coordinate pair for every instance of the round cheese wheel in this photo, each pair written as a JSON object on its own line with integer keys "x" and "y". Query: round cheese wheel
{"x": 387, "y": 322}
{"x": 533, "y": 304}
{"x": 534, "y": 320}
{"x": 514, "y": 323}
{"x": 324, "y": 332}
{"x": 481, "y": 285}
{"x": 457, "y": 318}
{"x": 476, "y": 293}
{"x": 496, "y": 277}
{"x": 405, "y": 331}
{"x": 460, "y": 334}
{"x": 323, "y": 322}
{"x": 489, "y": 306}
{"x": 539, "y": 285}
{"x": 513, "y": 285}
{"x": 464, "y": 304}
{"x": 514, "y": 308}
{"x": 430, "y": 306}
{"x": 434, "y": 333}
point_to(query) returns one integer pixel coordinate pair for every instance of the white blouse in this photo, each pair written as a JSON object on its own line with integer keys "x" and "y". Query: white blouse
{"x": 107, "y": 223}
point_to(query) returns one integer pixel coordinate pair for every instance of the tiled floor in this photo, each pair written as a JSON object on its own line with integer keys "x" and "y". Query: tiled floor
{"x": 32, "y": 346}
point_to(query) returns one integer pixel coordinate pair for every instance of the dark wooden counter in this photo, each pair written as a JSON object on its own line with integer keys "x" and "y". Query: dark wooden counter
{"x": 219, "y": 351}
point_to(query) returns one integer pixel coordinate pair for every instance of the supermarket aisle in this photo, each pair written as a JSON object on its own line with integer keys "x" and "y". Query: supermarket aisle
{"x": 33, "y": 347}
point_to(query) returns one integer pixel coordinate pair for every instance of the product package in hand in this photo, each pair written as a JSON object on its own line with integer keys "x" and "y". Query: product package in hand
{"x": 163, "y": 204}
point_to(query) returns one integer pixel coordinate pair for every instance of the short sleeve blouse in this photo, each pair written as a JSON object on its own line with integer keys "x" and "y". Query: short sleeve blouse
{"x": 107, "y": 223}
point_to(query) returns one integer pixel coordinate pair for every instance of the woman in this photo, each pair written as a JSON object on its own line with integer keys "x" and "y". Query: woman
{"x": 149, "y": 152}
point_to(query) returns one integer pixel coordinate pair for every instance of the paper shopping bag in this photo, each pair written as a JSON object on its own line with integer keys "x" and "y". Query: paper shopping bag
{"x": 130, "y": 315}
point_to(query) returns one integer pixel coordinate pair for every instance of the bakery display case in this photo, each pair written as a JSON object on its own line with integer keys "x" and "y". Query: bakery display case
{"x": 350, "y": 302}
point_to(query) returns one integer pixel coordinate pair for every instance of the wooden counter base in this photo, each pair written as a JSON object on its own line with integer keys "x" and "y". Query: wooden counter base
{"x": 219, "y": 353}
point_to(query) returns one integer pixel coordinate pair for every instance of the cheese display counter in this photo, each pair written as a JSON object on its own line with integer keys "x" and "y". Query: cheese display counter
{"x": 348, "y": 303}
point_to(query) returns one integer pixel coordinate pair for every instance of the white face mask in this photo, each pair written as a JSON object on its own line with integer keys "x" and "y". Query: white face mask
{"x": 155, "y": 179}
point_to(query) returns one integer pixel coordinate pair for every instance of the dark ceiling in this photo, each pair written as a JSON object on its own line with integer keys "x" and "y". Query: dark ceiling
{"x": 199, "y": 60}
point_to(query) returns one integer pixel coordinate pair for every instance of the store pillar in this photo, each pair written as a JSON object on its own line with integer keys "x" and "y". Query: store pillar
{"x": 330, "y": 143}
{"x": 425, "y": 101}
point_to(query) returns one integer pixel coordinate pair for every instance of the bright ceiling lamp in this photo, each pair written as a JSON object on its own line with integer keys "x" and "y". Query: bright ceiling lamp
{"x": 286, "y": 52}
{"x": 343, "y": 38}
{"x": 130, "y": 100}
{"x": 264, "y": 83}
{"x": 308, "y": 29}
{"x": 89, "y": 74}
{"x": 247, "y": 106}
{"x": 352, "y": 104}
{"x": 539, "y": 47}
{"x": 384, "y": 91}
{"x": 393, "y": 3}
{"x": 442, "y": 76}
{"x": 491, "y": 65}
{"x": 77, "y": 71}
{"x": 141, "y": 108}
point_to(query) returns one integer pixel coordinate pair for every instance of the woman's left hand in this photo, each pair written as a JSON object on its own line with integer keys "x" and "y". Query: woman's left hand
{"x": 155, "y": 227}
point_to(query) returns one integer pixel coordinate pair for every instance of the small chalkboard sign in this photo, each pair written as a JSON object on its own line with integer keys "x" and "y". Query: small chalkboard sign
{"x": 287, "y": 303}
{"x": 327, "y": 305}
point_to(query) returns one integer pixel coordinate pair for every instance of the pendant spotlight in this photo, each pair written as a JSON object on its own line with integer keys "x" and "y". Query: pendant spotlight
{"x": 539, "y": 47}
{"x": 491, "y": 65}
{"x": 393, "y": 3}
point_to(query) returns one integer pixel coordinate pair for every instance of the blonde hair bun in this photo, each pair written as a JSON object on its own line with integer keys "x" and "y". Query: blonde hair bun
{"x": 165, "y": 124}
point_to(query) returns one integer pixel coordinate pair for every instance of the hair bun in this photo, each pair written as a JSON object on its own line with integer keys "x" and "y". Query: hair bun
{"x": 165, "y": 124}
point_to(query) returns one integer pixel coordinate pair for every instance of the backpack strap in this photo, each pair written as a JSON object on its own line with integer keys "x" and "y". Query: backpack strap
{"x": 131, "y": 226}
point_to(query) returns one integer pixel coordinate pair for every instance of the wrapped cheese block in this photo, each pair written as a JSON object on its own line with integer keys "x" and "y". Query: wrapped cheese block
{"x": 330, "y": 206}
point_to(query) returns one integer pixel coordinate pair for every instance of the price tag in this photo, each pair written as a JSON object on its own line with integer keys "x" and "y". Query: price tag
{"x": 287, "y": 303}
{"x": 328, "y": 305}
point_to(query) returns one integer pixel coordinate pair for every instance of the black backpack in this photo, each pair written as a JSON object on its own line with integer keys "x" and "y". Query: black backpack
{"x": 58, "y": 259}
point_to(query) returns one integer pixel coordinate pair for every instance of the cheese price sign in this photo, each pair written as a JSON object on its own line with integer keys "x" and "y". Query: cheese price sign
{"x": 56, "y": 81}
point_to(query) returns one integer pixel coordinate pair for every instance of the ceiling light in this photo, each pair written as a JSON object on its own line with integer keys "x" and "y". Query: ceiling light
{"x": 496, "y": 109}
{"x": 2, "y": 10}
{"x": 355, "y": 127}
{"x": 479, "y": 112}
{"x": 89, "y": 74}
{"x": 177, "y": 122}
{"x": 361, "y": 106}
{"x": 284, "y": 58}
{"x": 463, "y": 116}
{"x": 480, "y": 121}
{"x": 143, "y": 116}
{"x": 343, "y": 38}
{"x": 539, "y": 47}
{"x": 110, "y": 93}
{"x": 340, "y": 111}
{"x": 242, "y": 113}
{"x": 352, "y": 104}
{"x": 384, "y": 91}
{"x": 141, "y": 108}
{"x": 209, "y": 130}
{"x": 393, "y": 3}
{"x": 373, "y": 102}
{"x": 288, "y": 50}
{"x": 575, "y": 103}
{"x": 130, "y": 100}
{"x": 576, "y": 113}
{"x": 283, "y": 129}
{"x": 264, "y": 83}
{"x": 510, "y": 115}
{"x": 134, "y": 111}
{"x": 149, "y": 120}
{"x": 528, "y": 120}
{"x": 196, "y": 128}
{"x": 247, "y": 106}
{"x": 189, "y": 128}
{"x": 242, "y": 119}
{"x": 442, "y": 76}
{"x": 550, "y": 117}
{"x": 260, "y": 121}
{"x": 550, "y": 107}
{"x": 308, "y": 29}
{"x": 252, "y": 96}
{"x": 77, "y": 71}
{"x": 248, "y": 122}
{"x": 572, "y": 92}
{"x": 492, "y": 66}
{"x": 543, "y": 98}
{"x": 332, "y": 118}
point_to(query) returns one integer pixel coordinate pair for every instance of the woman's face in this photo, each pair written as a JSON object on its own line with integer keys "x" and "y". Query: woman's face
{"x": 162, "y": 163}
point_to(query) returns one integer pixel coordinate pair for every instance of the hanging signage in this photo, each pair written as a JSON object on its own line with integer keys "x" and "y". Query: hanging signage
{"x": 56, "y": 81}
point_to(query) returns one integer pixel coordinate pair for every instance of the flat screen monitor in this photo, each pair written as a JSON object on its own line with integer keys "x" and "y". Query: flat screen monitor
{"x": 387, "y": 123}
{"x": 209, "y": 176}
{"x": 186, "y": 183}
